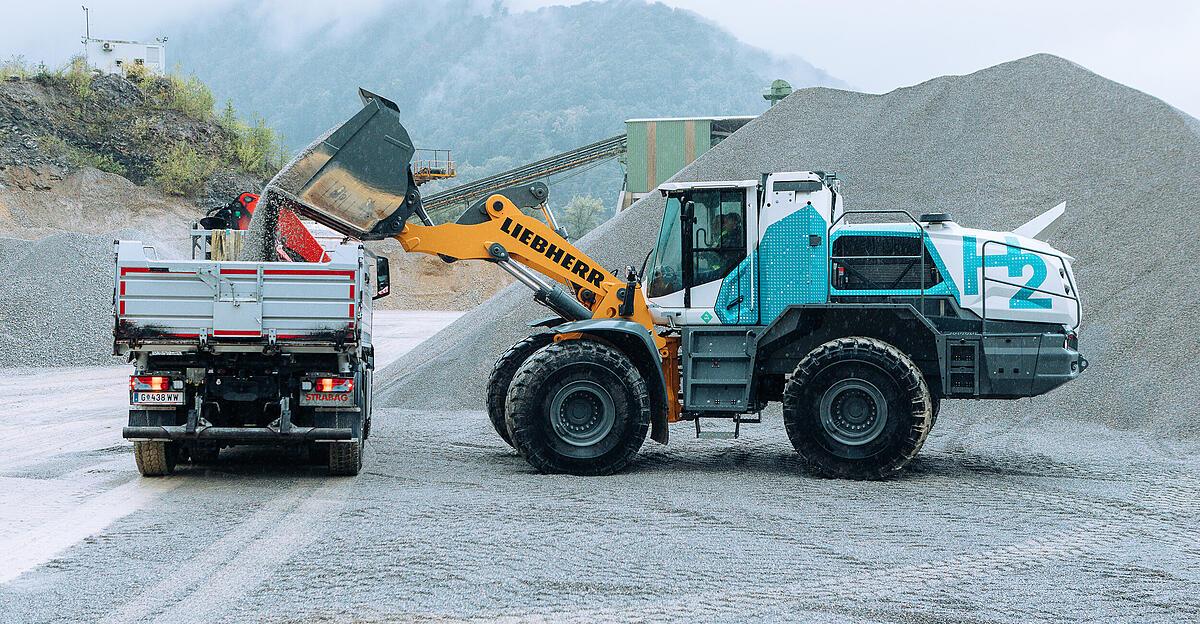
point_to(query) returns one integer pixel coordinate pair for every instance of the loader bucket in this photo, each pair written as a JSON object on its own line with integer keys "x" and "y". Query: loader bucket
{"x": 356, "y": 177}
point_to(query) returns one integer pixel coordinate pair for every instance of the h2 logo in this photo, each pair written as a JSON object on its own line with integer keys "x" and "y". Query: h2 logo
{"x": 1016, "y": 259}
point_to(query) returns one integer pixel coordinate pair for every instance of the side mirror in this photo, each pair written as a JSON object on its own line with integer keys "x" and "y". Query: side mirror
{"x": 689, "y": 209}
{"x": 383, "y": 277}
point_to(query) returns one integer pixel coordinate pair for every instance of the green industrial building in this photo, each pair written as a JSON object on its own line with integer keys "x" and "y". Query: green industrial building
{"x": 658, "y": 148}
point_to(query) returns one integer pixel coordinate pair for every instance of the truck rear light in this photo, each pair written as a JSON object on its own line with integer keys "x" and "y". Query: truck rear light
{"x": 334, "y": 384}
{"x": 149, "y": 383}
{"x": 1072, "y": 341}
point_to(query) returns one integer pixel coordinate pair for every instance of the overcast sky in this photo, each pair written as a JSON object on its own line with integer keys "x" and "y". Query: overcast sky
{"x": 875, "y": 45}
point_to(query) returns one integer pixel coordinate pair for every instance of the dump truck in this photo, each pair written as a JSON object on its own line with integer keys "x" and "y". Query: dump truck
{"x": 757, "y": 291}
{"x": 228, "y": 352}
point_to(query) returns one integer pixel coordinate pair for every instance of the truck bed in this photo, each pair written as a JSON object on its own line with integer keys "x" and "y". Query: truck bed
{"x": 185, "y": 304}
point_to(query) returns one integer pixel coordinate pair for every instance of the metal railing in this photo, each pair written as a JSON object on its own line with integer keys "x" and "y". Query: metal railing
{"x": 1066, "y": 276}
{"x": 920, "y": 234}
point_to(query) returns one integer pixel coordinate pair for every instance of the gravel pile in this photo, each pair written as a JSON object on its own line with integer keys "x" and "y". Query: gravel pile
{"x": 56, "y": 300}
{"x": 995, "y": 148}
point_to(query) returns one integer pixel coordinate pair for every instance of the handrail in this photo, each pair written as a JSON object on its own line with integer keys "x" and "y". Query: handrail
{"x": 923, "y": 235}
{"x": 1065, "y": 274}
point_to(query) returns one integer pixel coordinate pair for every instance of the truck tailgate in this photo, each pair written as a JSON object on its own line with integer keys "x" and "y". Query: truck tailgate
{"x": 188, "y": 300}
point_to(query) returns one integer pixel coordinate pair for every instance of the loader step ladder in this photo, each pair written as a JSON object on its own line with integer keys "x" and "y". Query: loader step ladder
{"x": 726, "y": 434}
{"x": 440, "y": 206}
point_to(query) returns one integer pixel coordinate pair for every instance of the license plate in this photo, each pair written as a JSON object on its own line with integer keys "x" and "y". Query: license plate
{"x": 327, "y": 399}
{"x": 157, "y": 398}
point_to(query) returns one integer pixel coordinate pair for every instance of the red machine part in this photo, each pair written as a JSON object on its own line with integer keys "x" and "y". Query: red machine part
{"x": 294, "y": 237}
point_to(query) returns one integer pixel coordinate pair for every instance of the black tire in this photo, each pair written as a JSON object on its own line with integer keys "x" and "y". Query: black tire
{"x": 501, "y": 378}
{"x": 578, "y": 407}
{"x": 156, "y": 458}
{"x": 857, "y": 408}
{"x": 345, "y": 458}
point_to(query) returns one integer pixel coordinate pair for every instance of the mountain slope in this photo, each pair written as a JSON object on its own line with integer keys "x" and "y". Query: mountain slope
{"x": 499, "y": 88}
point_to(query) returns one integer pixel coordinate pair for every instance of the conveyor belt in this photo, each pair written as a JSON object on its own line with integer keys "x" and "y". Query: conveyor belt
{"x": 440, "y": 205}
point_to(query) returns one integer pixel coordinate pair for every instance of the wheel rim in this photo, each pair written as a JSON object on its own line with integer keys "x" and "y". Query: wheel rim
{"x": 853, "y": 412}
{"x": 582, "y": 413}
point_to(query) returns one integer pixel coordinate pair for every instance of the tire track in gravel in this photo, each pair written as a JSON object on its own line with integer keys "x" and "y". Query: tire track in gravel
{"x": 238, "y": 561}
{"x": 1152, "y": 511}
{"x": 29, "y": 549}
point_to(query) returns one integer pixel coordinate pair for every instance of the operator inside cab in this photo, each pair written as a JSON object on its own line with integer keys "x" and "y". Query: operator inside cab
{"x": 719, "y": 253}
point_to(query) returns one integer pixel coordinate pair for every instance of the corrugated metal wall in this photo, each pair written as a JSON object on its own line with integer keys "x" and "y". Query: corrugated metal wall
{"x": 658, "y": 149}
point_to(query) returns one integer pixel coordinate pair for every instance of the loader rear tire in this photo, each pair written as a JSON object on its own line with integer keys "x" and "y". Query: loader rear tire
{"x": 345, "y": 458}
{"x": 857, "y": 408}
{"x": 501, "y": 378}
{"x": 578, "y": 407}
{"x": 155, "y": 458}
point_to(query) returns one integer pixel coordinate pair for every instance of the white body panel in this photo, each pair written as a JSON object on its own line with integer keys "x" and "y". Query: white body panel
{"x": 183, "y": 302}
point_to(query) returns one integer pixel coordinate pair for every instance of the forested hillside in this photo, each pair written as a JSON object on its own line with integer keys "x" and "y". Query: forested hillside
{"x": 498, "y": 87}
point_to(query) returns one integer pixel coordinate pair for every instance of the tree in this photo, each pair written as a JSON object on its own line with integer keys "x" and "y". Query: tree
{"x": 582, "y": 214}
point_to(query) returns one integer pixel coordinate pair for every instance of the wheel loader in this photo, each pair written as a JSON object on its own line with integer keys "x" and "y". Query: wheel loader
{"x": 756, "y": 291}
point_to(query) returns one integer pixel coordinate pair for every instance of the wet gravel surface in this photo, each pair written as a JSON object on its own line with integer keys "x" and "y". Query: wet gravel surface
{"x": 1004, "y": 522}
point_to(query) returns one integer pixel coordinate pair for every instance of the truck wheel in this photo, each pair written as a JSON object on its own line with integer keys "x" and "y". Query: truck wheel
{"x": 857, "y": 408}
{"x": 345, "y": 458}
{"x": 578, "y": 407}
{"x": 502, "y": 376}
{"x": 155, "y": 458}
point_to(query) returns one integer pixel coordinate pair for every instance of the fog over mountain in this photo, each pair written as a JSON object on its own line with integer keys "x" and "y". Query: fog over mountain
{"x": 497, "y": 86}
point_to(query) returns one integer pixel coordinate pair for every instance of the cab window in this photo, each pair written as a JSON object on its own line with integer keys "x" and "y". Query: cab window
{"x": 718, "y": 234}
{"x": 666, "y": 263}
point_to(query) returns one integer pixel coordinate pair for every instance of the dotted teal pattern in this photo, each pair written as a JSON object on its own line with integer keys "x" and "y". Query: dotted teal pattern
{"x": 790, "y": 270}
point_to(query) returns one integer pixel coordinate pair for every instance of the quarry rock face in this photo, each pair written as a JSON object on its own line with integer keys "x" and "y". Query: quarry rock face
{"x": 994, "y": 148}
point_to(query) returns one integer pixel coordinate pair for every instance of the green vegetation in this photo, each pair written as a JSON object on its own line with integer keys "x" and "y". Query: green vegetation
{"x": 582, "y": 214}
{"x": 115, "y": 135}
{"x": 82, "y": 157}
{"x": 469, "y": 79}
{"x": 257, "y": 147}
{"x": 79, "y": 77}
{"x": 183, "y": 171}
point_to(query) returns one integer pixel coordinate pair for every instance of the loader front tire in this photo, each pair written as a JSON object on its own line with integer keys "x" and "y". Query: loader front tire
{"x": 501, "y": 378}
{"x": 155, "y": 458}
{"x": 857, "y": 408}
{"x": 578, "y": 407}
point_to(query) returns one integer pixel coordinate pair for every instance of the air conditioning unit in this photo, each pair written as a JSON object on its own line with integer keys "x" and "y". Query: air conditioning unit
{"x": 107, "y": 47}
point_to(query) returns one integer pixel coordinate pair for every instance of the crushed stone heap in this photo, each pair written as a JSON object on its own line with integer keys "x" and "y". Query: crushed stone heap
{"x": 994, "y": 148}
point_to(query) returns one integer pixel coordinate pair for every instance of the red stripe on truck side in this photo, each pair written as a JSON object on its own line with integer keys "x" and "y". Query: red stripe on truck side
{"x": 239, "y": 271}
{"x": 308, "y": 272}
{"x": 352, "y": 310}
{"x": 122, "y": 312}
{"x": 237, "y": 332}
{"x": 126, "y": 270}
{"x": 122, "y": 288}
{"x": 351, "y": 292}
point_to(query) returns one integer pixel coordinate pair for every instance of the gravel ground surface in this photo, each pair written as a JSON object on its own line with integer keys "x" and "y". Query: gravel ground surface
{"x": 994, "y": 148}
{"x": 56, "y": 300}
{"x": 1070, "y": 523}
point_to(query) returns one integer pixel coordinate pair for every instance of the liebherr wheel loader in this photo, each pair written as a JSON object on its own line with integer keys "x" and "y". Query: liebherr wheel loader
{"x": 757, "y": 291}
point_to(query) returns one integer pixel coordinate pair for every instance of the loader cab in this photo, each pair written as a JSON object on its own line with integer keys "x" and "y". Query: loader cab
{"x": 720, "y": 244}
{"x": 707, "y": 232}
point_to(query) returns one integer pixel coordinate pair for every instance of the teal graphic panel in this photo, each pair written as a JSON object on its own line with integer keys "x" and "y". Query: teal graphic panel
{"x": 790, "y": 269}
